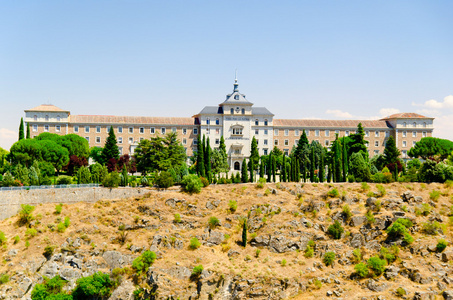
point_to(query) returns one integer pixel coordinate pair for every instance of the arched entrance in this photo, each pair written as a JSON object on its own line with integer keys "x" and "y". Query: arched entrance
{"x": 237, "y": 166}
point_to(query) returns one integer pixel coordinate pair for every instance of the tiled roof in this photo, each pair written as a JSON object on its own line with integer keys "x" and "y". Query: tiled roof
{"x": 406, "y": 116}
{"x": 98, "y": 119}
{"x": 330, "y": 123}
{"x": 46, "y": 107}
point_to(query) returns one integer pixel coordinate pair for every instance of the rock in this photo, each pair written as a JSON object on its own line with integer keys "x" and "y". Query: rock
{"x": 370, "y": 202}
{"x": 116, "y": 259}
{"x": 357, "y": 240}
{"x": 24, "y": 285}
{"x": 447, "y": 256}
{"x": 391, "y": 272}
{"x": 260, "y": 241}
{"x": 278, "y": 244}
{"x": 179, "y": 272}
{"x": 407, "y": 196}
{"x": 50, "y": 269}
{"x": 448, "y": 295}
{"x": 215, "y": 238}
{"x": 213, "y": 204}
{"x": 68, "y": 273}
{"x": 124, "y": 291}
{"x": 179, "y": 245}
{"x": 423, "y": 296}
{"x": 375, "y": 286}
{"x": 76, "y": 243}
{"x": 357, "y": 220}
{"x": 329, "y": 293}
{"x": 232, "y": 253}
{"x": 12, "y": 252}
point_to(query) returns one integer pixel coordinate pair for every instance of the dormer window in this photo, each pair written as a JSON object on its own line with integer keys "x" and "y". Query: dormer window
{"x": 237, "y": 131}
{"x": 207, "y": 121}
{"x": 35, "y": 118}
{"x": 236, "y": 97}
{"x": 58, "y": 118}
{"x": 243, "y": 111}
{"x": 217, "y": 122}
{"x": 232, "y": 111}
{"x": 415, "y": 124}
{"x": 47, "y": 117}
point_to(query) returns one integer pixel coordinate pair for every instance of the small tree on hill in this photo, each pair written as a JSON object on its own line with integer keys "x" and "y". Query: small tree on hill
{"x": 244, "y": 176}
{"x": 28, "y": 130}
{"x": 21, "y": 129}
{"x": 110, "y": 149}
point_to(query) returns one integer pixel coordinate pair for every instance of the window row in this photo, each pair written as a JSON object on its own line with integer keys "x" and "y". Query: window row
{"x": 35, "y": 118}
{"x": 414, "y": 133}
{"x": 414, "y": 124}
{"x": 141, "y": 130}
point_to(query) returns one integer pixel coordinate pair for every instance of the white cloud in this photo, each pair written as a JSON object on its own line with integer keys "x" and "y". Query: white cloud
{"x": 434, "y": 104}
{"x": 385, "y": 112}
{"x": 338, "y": 113}
{"x": 7, "y": 138}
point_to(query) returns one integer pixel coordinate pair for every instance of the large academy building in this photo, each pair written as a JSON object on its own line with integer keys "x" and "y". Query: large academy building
{"x": 238, "y": 120}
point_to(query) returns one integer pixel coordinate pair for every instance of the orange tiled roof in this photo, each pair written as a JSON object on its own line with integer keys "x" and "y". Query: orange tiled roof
{"x": 47, "y": 107}
{"x": 101, "y": 119}
{"x": 406, "y": 116}
{"x": 330, "y": 123}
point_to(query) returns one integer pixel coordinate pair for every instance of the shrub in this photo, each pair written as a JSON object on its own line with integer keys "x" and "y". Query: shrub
{"x": 357, "y": 255}
{"x": 329, "y": 258}
{"x": 347, "y": 212}
{"x": 381, "y": 190}
{"x": 244, "y": 233}
{"x": 365, "y": 186}
{"x": 31, "y": 232}
{"x": 27, "y": 244}
{"x": 335, "y": 230}
{"x": 2, "y": 238}
{"x": 112, "y": 180}
{"x": 233, "y": 205}
{"x": 441, "y": 245}
{"x": 432, "y": 228}
{"x": 142, "y": 263}
{"x": 96, "y": 286}
{"x": 261, "y": 183}
{"x": 317, "y": 283}
{"x": 63, "y": 179}
{"x": 58, "y": 209}
{"x": 194, "y": 243}
{"x": 67, "y": 222}
{"x": 164, "y": 180}
{"x": 16, "y": 239}
{"x": 192, "y": 183}
{"x": 50, "y": 289}
{"x": 283, "y": 263}
{"x": 390, "y": 255}
{"x": 257, "y": 253}
{"x": 4, "y": 278}
{"x": 25, "y": 216}
{"x": 434, "y": 195}
{"x": 333, "y": 193}
{"x": 196, "y": 272}
{"x": 377, "y": 265}
{"x": 399, "y": 228}
{"x": 204, "y": 181}
{"x": 425, "y": 209}
{"x": 361, "y": 269}
{"x": 370, "y": 217}
{"x": 400, "y": 292}
{"x": 309, "y": 251}
{"x": 177, "y": 218}
{"x": 213, "y": 222}
{"x": 48, "y": 251}
{"x": 61, "y": 227}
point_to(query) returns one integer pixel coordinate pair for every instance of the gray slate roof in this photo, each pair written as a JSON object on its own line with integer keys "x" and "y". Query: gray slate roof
{"x": 211, "y": 110}
{"x": 261, "y": 111}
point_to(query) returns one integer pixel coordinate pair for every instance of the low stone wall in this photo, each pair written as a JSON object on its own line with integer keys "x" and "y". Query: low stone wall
{"x": 10, "y": 201}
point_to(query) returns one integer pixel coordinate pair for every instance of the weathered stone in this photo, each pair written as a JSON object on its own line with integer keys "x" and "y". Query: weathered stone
{"x": 370, "y": 202}
{"x": 407, "y": 196}
{"x": 423, "y": 296}
{"x": 116, "y": 259}
{"x": 68, "y": 273}
{"x": 261, "y": 241}
{"x": 278, "y": 244}
{"x": 124, "y": 291}
{"x": 357, "y": 240}
{"x": 375, "y": 286}
{"x": 215, "y": 238}
{"x": 391, "y": 272}
{"x": 447, "y": 255}
{"x": 448, "y": 295}
{"x": 357, "y": 220}
{"x": 24, "y": 286}
{"x": 232, "y": 253}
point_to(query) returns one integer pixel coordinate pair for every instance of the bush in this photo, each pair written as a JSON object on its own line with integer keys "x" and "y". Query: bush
{"x": 142, "y": 263}
{"x": 164, "y": 180}
{"x": 16, "y": 239}
{"x": 390, "y": 255}
{"x": 357, "y": 255}
{"x": 335, "y": 230}
{"x": 399, "y": 228}
{"x": 25, "y": 216}
{"x": 434, "y": 195}
{"x": 96, "y": 286}
{"x": 361, "y": 269}
{"x": 365, "y": 186}
{"x": 31, "y": 232}
{"x": 112, "y": 180}
{"x": 377, "y": 265}
{"x": 2, "y": 238}
{"x": 400, "y": 292}
{"x": 309, "y": 251}
{"x": 177, "y": 218}
{"x": 381, "y": 190}
{"x": 192, "y": 183}
{"x": 61, "y": 227}
{"x": 329, "y": 258}
{"x": 194, "y": 243}
{"x": 370, "y": 217}
{"x": 58, "y": 209}
{"x": 4, "y": 278}
{"x": 48, "y": 251}
{"x": 232, "y": 205}
{"x": 196, "y": 272}
{"x": 67, "y": 222}
{"x": 51, "y": 289}
{"x": 333, "y": 193}
{"x": 432, "y": 228}
{"x": 204, "y": 181}
{"x": 213, "y": 222}
{"x": 261, "y": 183}
{"x": 347, "y": 212}
{"x": 441, "y": 245}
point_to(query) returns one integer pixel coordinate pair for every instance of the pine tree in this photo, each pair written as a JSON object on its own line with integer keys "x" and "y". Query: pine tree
{"x": 200, "y": 158}
{"x": 358, "y": 143}
{"x": 244, "y": 176}
{"x": 222, "y": 146}
{"x": 208, "y": 161}
{"x": 297, "y": 170}
{"x": 337, "y": 159}
{"x": 321, "y": 167}
{"x": 301, "y": 152}
{"x": 21, "y": 129}
{"x": 110, "y": 149}
{"x": 28, "y": 131}
{"x": 391, "y": 154}
{"x": 244, "y": 234}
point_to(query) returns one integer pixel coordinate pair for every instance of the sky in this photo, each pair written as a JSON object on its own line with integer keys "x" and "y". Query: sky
{"x": 300, "y": 59}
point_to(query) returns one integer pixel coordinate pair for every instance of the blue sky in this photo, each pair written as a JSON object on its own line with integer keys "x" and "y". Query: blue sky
{"x": 300, "y": 59}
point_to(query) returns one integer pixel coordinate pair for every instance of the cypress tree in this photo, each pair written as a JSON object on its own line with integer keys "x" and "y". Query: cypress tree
{"x": 321, "y": 167}
{"x": 208, "y": 161}
{"x": 345, "y": 160}
{"x": 283, "y": 169}
{"x": 244, "y": 233}
{"x": 244, "y": 177}
{"x": 274, "y": 165}
{"x": 251, "y": 169}
{"x": 269, "y": 167}
{"x": 297, "y": 170}
{"x": 261, "y": 168}
{"x": 254, "y": 154}
{"x": 21, "y": 129}
{"x": 200, "y": 158}
{"x": 28, "y": 130}
{"x": 337, "y": 159}
{"x": 110, "y": 149}
{"x": 312, "y": 165}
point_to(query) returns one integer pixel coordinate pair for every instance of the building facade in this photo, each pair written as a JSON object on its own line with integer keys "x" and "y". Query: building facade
{"x": 237, "y": 120}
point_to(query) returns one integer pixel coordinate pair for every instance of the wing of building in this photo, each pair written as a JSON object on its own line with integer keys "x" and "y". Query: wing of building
{"x": 237, "y": 120}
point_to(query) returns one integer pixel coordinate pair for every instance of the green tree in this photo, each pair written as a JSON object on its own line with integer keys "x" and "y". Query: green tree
{"x": 97, "y": 286}
{"x": 244, "y": 234}
{"x": 21, "y": 174}
{"x": 251, "y": 170}
{"x": 269, "y": 167}
{"x": 432, "y": 148}
{"x": 207, "y": 160}
{"x": 83, "y": 175}
{"x": 344, "y": 159}
{"x": 336, "y": 159}
{"x": 111, "y": 148}
{"x": 262, "y": 163}
{"x": 321, "y": 167}
{"x": 96, "y": 154}
{"x": 359, "y": 168}
{"x": 283, "y": 169}
{"x": 200, "y": 158}
{"x": 254, "y": 155}
{"x": 312, "y": 165}
{"x": 302, "y": 153}
{"x": 21, "y": 129}
{"x": 28, "y": 131}
{"x": 391, "y": 154}
{"x": 244, "y": 176}
{"x": 219, "y": 161}
{"x": 274, "y": 167}
{"x": 358, "y": 143}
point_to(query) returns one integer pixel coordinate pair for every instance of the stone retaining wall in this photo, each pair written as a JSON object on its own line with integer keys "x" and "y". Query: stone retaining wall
{"x": 10, "y": 201}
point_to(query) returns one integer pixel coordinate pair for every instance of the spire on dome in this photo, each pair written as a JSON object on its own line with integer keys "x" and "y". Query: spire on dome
{"x": 236, "y": 85}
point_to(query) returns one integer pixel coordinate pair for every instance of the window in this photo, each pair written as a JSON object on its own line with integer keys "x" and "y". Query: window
{"x": 76, "y": 128}
{"x": 265, "y": 142}
{"x": 275, "y": 131}
{"x": 414, "y": 133}
{"x": 232, "y": 111}
{"x": 307, "y": 132}
{"x": 237, "y": 151}
{"x": 162, "y": 130}
{"x": 424, "y": 134}
{"x": 257, "y": 142}
{"x": 87, "y": 138}
{"x": 47, "y": 117}
{"x": 257, "y": 122}
{"x": 217, "y": 131}
{"x": 376, "y": 133}
{"x": 265, "y": 151}
{"x": 237, "y": 131}
{"x": 35, "y": 117}
{"x": 415, "y": 124}
{"x": 276, "y": 142}
{"x": 120, "y": 150}
{"x": 404, "y": 133}
{"x": 184, "y": 141}
{"x": 413, "y": 143}
{"x": 424, "y": 124}
{"x": 207, "y": 121}
{"x": 57, "y": 128}
{"x": 257, "y": 131}
{"x": 265, "y": 122}
{"x": 120, "y": 140}
{"x": 195, "y": 131}
{"x": 46, "y": 128}
{"x": 404, "y": 153}
{"x": 286, "y": 142}
{"x": 376, "y": 152}
{"x": 337, "y": 132}
{"x": 98, "y": 140}
{"x": 367, "y": 133}
{"x": 387, "y": 134}
{"x": 141, "y": 130}
{"x": 131, "y": 140}
{"x": 120, "y": 129}
{"x": 207, "y": 130}
{"x": 243, "y": 111}
{"x": 98, "y": 129}
{"x": 376, "y": 143}
{"x": 327, "y": 132}
{"x": 35, "y": 127}
{"x": 173, "y": 129}
{"x": 217, "y": 141}
{"x": 286, "y": 132}
{"x": 316, "y": 132}
{"x": 296, "y": 132}
{"x": 141, "y": 139}
{"x": 296, "y": 142}
{"x": 87, "y": 129}
{"x": 327, "y": 142}
{"x": 404, "y": 144}
{"x": 237, "y": 166}
{"x": 346, "y": 133}
{"x": 195, "y": 141}
{"x": 404, "y": 124}
{"x": 58, "y": 118}
{"x": 184, "y": 131}
{"x": 152, "y": 130}
{"x": 265, "y": 132}
{"x": 236, "y": 97}
{"x": 131, "y": 129}
{"x": 108, "y": 129}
